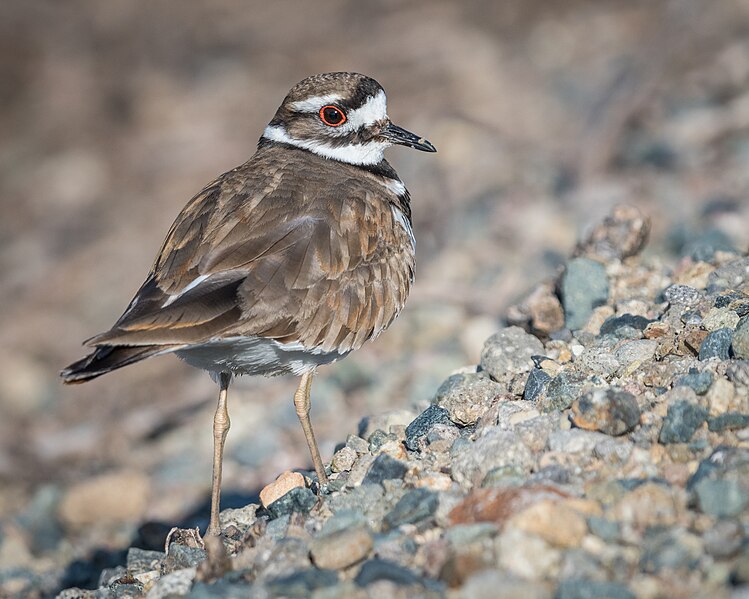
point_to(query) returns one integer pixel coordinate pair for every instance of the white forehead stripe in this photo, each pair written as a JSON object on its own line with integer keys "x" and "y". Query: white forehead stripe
{"x": 361, "y": 154}
{"x": 372, "y": 111}
{"x": 315, "y": 103}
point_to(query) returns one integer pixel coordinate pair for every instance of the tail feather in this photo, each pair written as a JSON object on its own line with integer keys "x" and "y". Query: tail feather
{"x": 107, "y": 358}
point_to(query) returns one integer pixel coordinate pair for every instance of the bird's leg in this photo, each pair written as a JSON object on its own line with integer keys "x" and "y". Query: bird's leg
{"x": 302, "y": 405}
{"x": 221, "y": 424}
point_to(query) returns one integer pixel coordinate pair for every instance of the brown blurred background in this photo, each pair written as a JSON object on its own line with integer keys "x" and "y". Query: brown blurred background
{"x": 545, "y": 114}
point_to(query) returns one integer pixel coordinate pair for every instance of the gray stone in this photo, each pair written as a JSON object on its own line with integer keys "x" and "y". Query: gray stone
{"x": 698, "y": 381}
{"x": 575, "y": 440}
{"x": 302, "y": 583}
{"x": 721, "y": 497}
{"x": 716, "y": 345}
{"x": 608, "y": 530}
{"x": 728, "y": 422}
{"x": 383, "y": 468}
{"x": 221, "y": 589}
{"x": 358, "y": 444}
{"x": 140, "y": 560}
{"x": 592, "y": 589}
{"x": 733, "y": 275}
{"x": 417, "y": 431}
{"x": 598, "y": 360}
{"x": 682, "y": 295}
{"x": 740, "y": 340}
{"x": 626, "y": 326}
{"x": 681, "y": 422}
{"x": 173, "y": 584}
{"x": 341, "y": 548}
{"x": 585, "y": 286}
{"x": 724, "y": 538}
{"x": 670, "y": 549}
{"x": 639, "y": 350}
{"x": 508, "y": 352}
{"x": 461, "y": 535}
{"x": 561, "y": 391}
{"x": 493, "y": 584}
{"x": 536, "y": 384}
{"x": 378, "y": 438}
{"x": 416, "y": 505}
{"x": 380, "y": 569}
{"x": 496, "y": 448}
{"x": 299, "y": 499}
{"x": 467, "y": 397}
{"x": 181, "y": 557}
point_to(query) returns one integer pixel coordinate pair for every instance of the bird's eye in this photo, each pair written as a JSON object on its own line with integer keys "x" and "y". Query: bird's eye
{"x": 332, "y": 116}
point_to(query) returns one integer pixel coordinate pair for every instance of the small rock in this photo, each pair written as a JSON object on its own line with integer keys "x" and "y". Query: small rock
{"x": 720, "y": 318}
{"x": 414, "y": 506}
{"x": 298, "y": 500}
{"x": 669, "y": 550}
{"x": 626, "y": 326}
{"x": 343, "y": 459}
{"x": 554, "y": 522}
{"x": 682, "y": 295}
{"x": 561, "y": 391}
{"x": 496, "y": 448}
{"x": 279, "y": 487}
{"x": 611, "y": 411}
{"x": 721, "y": 497}
{"x": 526, "y": 555}
{"x": 728, "y": 422}
{"x": 467, "y": 397}
{"x": 509, "y": 352}
{"x": 647, "y": 505}
{"x": 724, "y": 538}
{"x": 380, "y": 569}
{"x": 497, "y": 505}
{"x": 592, "y": 589}
{"x": 302, "y": 583}
{"x": 536, "y": 384}
{"x": 140, "y": 560}
{"x": 740, "y": 340}
{"x": 606, "y": 529}
{"x": 681, "y": 422}
{"x": 716, "y": 345}
{"x": 584, "y": 287}
{"x": 698, "y": 381}
{"x": 575, "y": 441}
{"x": 173, "y": 584}
{"x": 420, "y": 427}
{"x": 342, "y": 548}
{"x": 733, "y": 275}
{"x": 384, "y": 468}
{"x": 358, "y": 444}
{"x": 180, "y": 557}
{"x": 622, "y": 234}
{"x": 634, "y": 353}
{"x": 490, "y": 584}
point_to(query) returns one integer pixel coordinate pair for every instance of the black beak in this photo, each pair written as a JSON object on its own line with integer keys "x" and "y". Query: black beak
{"x": 398, "y": 135}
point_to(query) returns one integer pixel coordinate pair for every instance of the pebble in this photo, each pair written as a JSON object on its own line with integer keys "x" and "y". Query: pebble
{"x": 728, "y": 422}
{"x": 380, "y": 569}
{"x": 497, "y": 448}
{"x": 342, "y": 548}
{"x": 343, "y": 459}
{"x": 413, "y": 507}
{"x": 740, "y": 340}
{"x": 385, "y": 468}
{"x": 467, "y": 397}
{"x": 716, "y": 345}
{"x": 682, "y": 421}
{"x": 698, "y": 381}
{"x": 302, "y": 583}
{"x": 173, "y": 584}
{"x": 418, "y": 430}
{"x": 592, "y": 589}
{"x": 180, "y": 557}
{"x": 721, "y": 497}
{"x": 298, "y": 500}
{"x": 536, "y": 384}
{"x": 575, "y": 441}
{"x": 556, "y": 523}
{"x": 525, "y": 555}
{"x": 561, "y": 391}
{"x": 682, "y": 295}
{"x": 584, "y": 286}
{"x": 509, "y": 352}
{"x": 720, "y": 318}
{"x": 611, "y": 411}
{"x": 279, "y": 487}
{"x": 626, "y": 326}
{"x": 490, "y": 584}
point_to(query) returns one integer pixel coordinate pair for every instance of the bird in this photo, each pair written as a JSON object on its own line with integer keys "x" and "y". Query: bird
{"x": 281, "y": 265}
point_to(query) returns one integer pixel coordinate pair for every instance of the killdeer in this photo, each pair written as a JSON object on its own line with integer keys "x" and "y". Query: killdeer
{"x": 288, "y": 262}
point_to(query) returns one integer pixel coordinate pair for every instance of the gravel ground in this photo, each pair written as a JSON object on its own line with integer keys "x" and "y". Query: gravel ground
{"x": 611, "y": 460}
{"x": 546, "y": 116}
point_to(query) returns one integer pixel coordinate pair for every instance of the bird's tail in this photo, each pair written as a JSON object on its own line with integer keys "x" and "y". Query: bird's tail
{"x": 106, "y": 358}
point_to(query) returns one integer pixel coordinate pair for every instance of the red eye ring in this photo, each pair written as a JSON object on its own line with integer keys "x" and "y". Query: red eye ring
{"x": 332, "y": 116}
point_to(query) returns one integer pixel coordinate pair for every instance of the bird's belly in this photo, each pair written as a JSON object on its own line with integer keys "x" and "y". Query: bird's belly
{"x": 255, "y": 355}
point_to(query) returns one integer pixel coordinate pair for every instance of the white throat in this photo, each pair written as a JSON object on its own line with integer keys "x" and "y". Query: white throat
{"x": 361, "y": 154}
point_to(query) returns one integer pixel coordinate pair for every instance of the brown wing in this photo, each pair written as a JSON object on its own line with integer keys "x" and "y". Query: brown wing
{"x": 268, "y": 257}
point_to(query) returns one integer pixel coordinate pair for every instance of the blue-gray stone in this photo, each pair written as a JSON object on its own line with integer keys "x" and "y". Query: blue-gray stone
{"x": 561, "y": 391}
{"x": 716, "y": 345}
{"x": 592, "y": 589}
{"x": 222, "y": 589}
{"x": 626, "y": 326}
{"x": 740, "y": 339}
{"x": 301, "y": 584}
{"x": 585, "y": 286}
{"x": 608, "y": 530}
{"x": 380, "y": 569}
{"x": 537, "y": 382}
{"x": 698, "y": 381}
{"x": 682, "y": 420}
{"x": 141, "y": 560}
{"x": 664, "y": 550}
{"x": 416, "y": 505}
{"x": 181, "y": 556}
{"x": 298, "y": 500}
{"x": 378, "y": 438}
{"x": 384, "y": 468}
{"x": 728, "y": 422}
{"x": 423, "y": 423}
{"x": 722, "y": 497}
